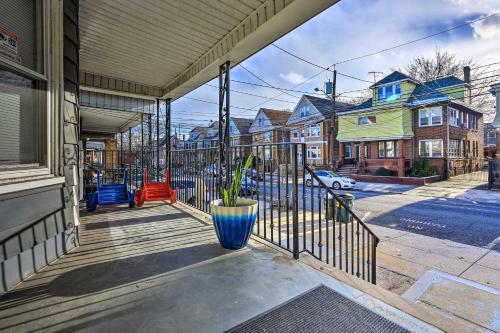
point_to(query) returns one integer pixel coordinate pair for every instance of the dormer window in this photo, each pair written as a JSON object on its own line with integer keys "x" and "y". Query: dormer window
{"x": 389, "y": 93}
{"x": 261, "y": 121}
{"x": 304, "y": 111}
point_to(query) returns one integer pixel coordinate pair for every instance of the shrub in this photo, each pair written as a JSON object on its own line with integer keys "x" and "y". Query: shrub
{"x": 423, "y": 168}
{"x": 383, "y": 172}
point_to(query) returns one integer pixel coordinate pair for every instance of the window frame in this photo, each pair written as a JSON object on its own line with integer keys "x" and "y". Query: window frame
{"x": 367, "y": 117}
{"x": 430, "y": 151}
{"x": 384, "y": 96}
{"x": 314, "y": 126}
{"x": 384, "y": 146}
{"x": 318, "y": 153}
{"x": 454, "y": 152}
{"x": 267, "y": 136}
{"x": 306, "y": 110}
{"x": 25, "y": 176}
{"x": 429, "y": 116}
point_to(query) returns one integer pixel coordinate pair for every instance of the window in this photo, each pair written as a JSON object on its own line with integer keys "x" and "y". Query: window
{"x": 295, "y": 133}
{"x": 389, "y": 93}
{"x": 268, "y": 136}
{"x": 367, "y": 120}
{"x": 23, "y": 108}
{"x": 454, "y": 148}
{"x": 313, "y": 152}
{"x": 261, "y": 121}
{"x": 431, "y": 148}
{"x": 314, "y": 130}
{"x": 430, "y": 116}
{"x": 387, "y": 149}
{"x": 492, "y": 134}
{"x": 304, "y": 111}
{"x": 454, "y": 117}
{"x": 267, "y": 153}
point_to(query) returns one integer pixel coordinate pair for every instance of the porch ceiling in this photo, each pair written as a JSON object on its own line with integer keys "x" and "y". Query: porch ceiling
{"x": 108, "y": 121}
{"x": 178, "y": 45}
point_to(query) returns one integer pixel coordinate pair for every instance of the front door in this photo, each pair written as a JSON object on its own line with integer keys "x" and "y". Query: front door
{"x": 357, "y": 152}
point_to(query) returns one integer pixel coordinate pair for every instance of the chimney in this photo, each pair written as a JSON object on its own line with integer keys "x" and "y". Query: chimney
{"x": 467, "y": 81}
{"x": 467, "y": 74}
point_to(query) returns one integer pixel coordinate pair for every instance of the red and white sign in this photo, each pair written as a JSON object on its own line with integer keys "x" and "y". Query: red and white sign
{"x": 8, "y": 45}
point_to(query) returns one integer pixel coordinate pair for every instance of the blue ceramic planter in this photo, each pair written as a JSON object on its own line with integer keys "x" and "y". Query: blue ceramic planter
{"x": 234, "y": 225}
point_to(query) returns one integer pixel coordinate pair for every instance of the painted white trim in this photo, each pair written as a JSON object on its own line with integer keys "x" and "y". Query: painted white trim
{"x": 117, "y": 93}
{"x": 17, "y": 187}
{"x": 13, "y": 174}
{"x": 382, "y": 138}
{"x": 429, "y": 110}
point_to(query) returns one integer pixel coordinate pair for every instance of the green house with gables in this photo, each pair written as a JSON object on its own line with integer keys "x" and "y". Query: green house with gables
{"x": 406, "y": 120}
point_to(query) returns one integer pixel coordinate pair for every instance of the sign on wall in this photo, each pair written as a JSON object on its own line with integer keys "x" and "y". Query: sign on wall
{"x": 9, "y": 45}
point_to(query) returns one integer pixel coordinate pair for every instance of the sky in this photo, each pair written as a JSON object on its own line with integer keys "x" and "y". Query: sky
{"x": 349, "y": 29}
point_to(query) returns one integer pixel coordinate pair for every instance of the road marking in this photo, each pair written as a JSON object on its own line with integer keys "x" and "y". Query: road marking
{"x": 425, "y": 223}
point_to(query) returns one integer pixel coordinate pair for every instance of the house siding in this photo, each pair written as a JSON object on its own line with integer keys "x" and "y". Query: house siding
{"x": 41, "y": 224}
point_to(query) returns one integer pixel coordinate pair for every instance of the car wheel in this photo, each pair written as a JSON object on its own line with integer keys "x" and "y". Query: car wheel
{"x": 308, "y": 183}
{"x": 337, "y": 186}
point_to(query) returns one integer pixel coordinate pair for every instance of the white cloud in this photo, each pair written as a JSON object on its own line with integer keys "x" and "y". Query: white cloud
{"x": 292, "y": 77}
{"x": 487, "y": 29}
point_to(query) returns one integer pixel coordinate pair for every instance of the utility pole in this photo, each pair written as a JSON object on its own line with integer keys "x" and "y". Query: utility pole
{"x": 333, "y": 119}
{"x": 375, "y": 75}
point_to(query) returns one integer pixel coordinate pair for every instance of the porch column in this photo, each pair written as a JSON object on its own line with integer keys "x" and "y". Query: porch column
{"x": 168, "y": 129}
{"x": 341, "y": 151}
{"x": 224, "y": 118}
{"x": 498, "y": 143}
{"x": 401, "y": 158}
{"x": 157, "y": 139}
{"x": 362, "y": 157}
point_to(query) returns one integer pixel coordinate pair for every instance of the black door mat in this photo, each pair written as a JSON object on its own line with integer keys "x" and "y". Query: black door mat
{"x": 319, "y": 310}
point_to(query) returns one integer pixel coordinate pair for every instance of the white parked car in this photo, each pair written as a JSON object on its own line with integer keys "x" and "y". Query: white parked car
{"x": 331, "y": 179}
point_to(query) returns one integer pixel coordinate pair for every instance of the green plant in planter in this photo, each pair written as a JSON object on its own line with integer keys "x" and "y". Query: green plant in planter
{"x": 231, "y": 191}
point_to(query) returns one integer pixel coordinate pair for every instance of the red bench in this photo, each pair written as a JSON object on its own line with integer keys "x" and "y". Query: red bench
{"x": 155, "y": 191}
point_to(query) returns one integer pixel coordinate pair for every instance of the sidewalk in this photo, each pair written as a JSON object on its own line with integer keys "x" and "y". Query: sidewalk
{"x": 405, "y": 260}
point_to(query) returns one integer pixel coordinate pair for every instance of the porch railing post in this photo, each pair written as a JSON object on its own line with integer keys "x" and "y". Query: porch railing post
{"x": 224, "y": 119}
{"x": 295, "y": 201}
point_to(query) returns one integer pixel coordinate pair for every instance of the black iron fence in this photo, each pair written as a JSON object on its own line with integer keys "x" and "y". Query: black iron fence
{"x": 292, "y": 215}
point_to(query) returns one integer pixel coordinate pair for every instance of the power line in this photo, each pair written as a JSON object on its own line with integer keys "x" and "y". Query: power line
{"x": 415, "y": 40}
{"x": 255, "y": 95}
{"x": 262, "y": 80}
{"x": 300, "y": 58}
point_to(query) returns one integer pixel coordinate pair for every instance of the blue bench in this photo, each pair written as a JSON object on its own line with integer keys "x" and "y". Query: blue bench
{"x": 110, "y": 194}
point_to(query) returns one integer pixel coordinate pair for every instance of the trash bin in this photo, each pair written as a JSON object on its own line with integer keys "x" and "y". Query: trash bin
{"x": 342, "y": 215}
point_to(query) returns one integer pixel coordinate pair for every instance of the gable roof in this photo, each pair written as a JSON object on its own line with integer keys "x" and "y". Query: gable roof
{"x": 423, "y": 93}
{"x": 324, "y": 106}
{"x": 277, "y": 117}
{"x": 393, "y": 77}
{"x": 444, "y": 82}
{"x": 242, "y": 124}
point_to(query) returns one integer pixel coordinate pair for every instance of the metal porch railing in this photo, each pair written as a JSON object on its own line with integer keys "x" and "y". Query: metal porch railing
{"x": 291, "y": 215}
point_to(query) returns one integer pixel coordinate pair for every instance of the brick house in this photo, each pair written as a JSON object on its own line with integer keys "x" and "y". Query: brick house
{"x": 310, "y": 123}
{"x": 407, "y": 120}
{"x": 494, "y": 127}
{"x": 268, "y": 127}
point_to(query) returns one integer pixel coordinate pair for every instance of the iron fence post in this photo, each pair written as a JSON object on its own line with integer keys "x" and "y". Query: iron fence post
{"x": 295, "y": 201}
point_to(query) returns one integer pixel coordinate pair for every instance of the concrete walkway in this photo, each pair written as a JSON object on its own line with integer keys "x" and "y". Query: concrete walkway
{"x": 160, "y": 269}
